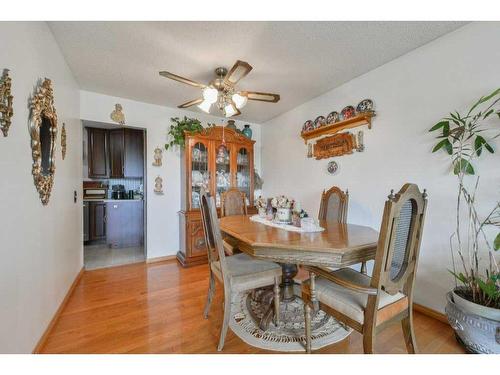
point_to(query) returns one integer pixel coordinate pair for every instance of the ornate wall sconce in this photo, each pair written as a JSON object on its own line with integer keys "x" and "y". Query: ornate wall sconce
{"x": 6, "y": 98}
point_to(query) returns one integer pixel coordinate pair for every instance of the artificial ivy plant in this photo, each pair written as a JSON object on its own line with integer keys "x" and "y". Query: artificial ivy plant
{"x": 178, "y": 129}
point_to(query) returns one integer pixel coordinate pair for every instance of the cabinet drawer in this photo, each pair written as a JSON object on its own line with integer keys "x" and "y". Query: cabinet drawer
{"x": 198, "y": 245}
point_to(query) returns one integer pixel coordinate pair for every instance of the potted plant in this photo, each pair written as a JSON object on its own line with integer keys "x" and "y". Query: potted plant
{"x": 283, "y": 207}
{"x": 473, "y": 307}
{"x": 179, "y": 127}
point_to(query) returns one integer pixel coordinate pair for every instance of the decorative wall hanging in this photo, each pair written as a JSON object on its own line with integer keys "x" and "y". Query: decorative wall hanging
{"x": 117, "y": 115}
{"x": 310, "y": 150}
{"x": 6, "y": 110}
{"x": 158, "y": 185}
{"x": 361, "y": 145}
{"x": 158, "y": 154}
{"x": 43, "y": 131}
{"x": 332, "y": 167}
{"x": 336, "y": 145}
{"x": 335, "y": 122}
{"x": 63, "y": 141}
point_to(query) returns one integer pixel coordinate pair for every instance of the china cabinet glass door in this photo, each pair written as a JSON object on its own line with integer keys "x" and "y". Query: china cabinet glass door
{"x": 199, "y": 172}
{"x": 222, "y": 171}
{"x": 243, "y": 180}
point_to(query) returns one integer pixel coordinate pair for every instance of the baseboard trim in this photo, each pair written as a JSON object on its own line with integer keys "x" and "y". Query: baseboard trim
{"x": 161, "y": 259}
{"x": 430, "y": 312}
{"x": 41, "y": 343}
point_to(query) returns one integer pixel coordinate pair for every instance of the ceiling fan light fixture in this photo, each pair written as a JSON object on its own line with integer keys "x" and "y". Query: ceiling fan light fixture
{"x": 229, "y": 110}
{"x": 205, "y": 106}
{"x": 239, "y": 100}
{"x": 210, "y": 95}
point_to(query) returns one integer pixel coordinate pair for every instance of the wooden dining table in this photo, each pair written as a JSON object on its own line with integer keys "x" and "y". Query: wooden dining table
{"x": 339, "y": 245}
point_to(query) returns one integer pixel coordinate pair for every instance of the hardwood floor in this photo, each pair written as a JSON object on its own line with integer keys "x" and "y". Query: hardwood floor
{"x": 157, "y": 308}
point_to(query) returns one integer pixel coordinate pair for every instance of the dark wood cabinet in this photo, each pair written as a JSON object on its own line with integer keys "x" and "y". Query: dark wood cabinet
{"x": 133, "y": 153}
{"x": 116, "y": 152}
{"x": 97, "y": 221}
{"x": 124, "y": 224}
{"x": 97, "y": 153}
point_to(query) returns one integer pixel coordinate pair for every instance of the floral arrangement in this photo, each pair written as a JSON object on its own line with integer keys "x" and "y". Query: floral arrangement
{"x": 282, "y": 202}
{"x": 261, "y": 202}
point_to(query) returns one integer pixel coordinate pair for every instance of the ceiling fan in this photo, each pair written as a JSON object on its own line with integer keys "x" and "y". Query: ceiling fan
{"x": 222, "y": 92}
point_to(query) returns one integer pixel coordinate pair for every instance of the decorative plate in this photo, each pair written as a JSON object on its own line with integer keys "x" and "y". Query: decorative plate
{"x": 348, "y": 112}
{"x": 332, "y": 117}
{"x": 308, "y": 125}
{"x": 332, "y": 167}
{"x": 365, "y": 105}
{"x": 320, "y": 121}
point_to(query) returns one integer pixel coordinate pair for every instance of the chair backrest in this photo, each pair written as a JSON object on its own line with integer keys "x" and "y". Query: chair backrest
{"x": 399, "y": 242}
{"x": 333, "y": 205}
{"x": 213, "y": 237}
{"x": 233, "y": 202}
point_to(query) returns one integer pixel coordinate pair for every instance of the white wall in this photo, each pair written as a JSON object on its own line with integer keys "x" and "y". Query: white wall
{"x": 41, "y": 246}
{"x": 162, "y": 218}
{"x": 411, "y": 94}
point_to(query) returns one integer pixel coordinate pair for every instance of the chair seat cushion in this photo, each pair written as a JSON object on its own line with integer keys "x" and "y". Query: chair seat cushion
{"x": 248, "y": 273}
{"x": 346, "y": 301}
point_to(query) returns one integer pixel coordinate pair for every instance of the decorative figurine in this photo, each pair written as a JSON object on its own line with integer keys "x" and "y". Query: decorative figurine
{"x": 332, "y": 167}
{"x": 6, "y": 111}
{"x": 117, "y": 115}
{"x": 158, "y": 185}
{"x": 63, "y": 141}
{"x": 157, "y": 156}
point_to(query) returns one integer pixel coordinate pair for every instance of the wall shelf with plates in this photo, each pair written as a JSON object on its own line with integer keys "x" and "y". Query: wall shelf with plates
{"x": 353, "y": 122}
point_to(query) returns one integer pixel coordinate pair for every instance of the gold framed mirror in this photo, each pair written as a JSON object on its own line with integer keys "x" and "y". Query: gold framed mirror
{"x": 43, "y": 131}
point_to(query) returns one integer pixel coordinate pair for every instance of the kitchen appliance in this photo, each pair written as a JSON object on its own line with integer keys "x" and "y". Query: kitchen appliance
{"x": 95, "y": 190}
{"x": 118, "y": 192}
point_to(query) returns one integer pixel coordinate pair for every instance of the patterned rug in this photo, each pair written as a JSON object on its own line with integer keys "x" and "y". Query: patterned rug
{"x": 289, "y": 336}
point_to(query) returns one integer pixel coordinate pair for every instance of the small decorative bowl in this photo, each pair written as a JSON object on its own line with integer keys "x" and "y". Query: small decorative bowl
{"x": 366, "y": 105}
{"x": 332, "y": 117}
{"x": 348, "y": 112}
{"x": 320, "y": 121}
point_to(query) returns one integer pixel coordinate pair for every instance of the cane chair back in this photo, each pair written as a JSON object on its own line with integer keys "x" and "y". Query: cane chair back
{"x": 233, "y": 202}
{"x": 399, "y": 241}
{"x": 333, "y": 205}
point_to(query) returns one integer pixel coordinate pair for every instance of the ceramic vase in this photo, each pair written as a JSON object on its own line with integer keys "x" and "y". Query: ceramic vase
{"x": 284, "y": 215}
{"x": 247, "y": 132}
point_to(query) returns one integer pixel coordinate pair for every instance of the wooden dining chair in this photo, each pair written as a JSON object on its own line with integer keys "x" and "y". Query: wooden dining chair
{"x": 236, "y": 273}
{"x": 233, "y": 202}
{"x": 368, "y": 304}
{"x": 333, "y": 207}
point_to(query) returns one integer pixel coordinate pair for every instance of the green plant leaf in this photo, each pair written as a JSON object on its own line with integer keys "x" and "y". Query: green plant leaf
{"x": 448, "y": 147}
{"x": 489, "y": 288}
{"x": 478, "y": 145}
{"x": 462, "y": 165}
{"x": 489, "y": 148}
{"x": 485, "y": 99}
{"x": 439, "y": 125}
{"x": 496, "y": 242}
{"x": 461, "y": 277}
{"x": 488, "y": 113}
{"x": 440, "y": 144}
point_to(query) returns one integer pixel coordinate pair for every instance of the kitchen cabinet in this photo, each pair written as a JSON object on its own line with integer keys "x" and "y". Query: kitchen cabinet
{"x": 117, "y": 153}
{"x": 124, "y": 224}
{"x": 116, "y": 150}
{"x": 97, "y": 152}
{"x": 97, "y": 221}
{"x": 133, "y": 153}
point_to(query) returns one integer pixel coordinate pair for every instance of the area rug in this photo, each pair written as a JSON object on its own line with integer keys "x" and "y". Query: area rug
{"x": 289, "y": 335}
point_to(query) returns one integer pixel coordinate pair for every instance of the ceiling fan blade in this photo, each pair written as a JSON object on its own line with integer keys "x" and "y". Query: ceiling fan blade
{"x": 177, "y": 78}
{"x": 190, "y": 103}
{"x": 239, "y": 70}
{"x": 261, "y": 96}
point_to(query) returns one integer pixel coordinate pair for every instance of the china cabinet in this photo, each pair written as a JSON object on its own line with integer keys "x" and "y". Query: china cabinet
{"x": 206, "y": 165}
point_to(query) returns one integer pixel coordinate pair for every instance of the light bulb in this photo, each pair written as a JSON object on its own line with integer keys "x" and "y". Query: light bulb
{"x": 205, "y": 106}
{"x": 229, "y": 110}
{"x": 239, "y": 100}
{"x": 210, "y": 94}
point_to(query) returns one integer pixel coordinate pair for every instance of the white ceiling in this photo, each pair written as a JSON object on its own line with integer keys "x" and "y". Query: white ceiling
{"x": 298, "y": 60}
